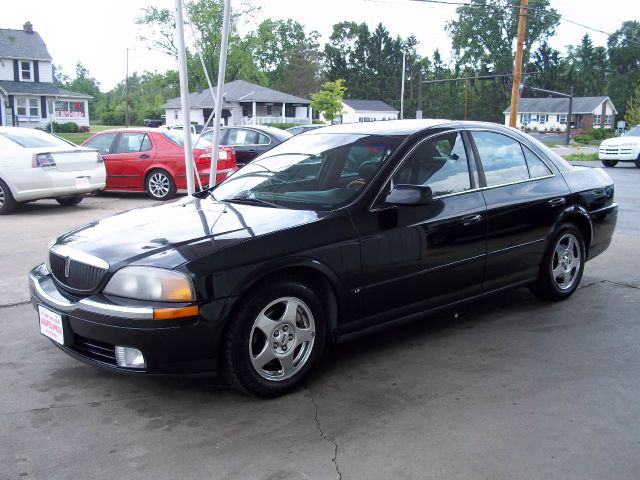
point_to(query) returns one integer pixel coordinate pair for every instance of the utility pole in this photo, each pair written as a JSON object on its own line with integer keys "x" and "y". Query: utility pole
{"x": 517, "y": 66}
{"x": 419, "y": 112}
{"x": 404, "y": 54}
{"x": 466, "y": 98}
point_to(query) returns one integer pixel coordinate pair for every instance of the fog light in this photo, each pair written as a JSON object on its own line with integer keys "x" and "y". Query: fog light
{"x": 129, "y": 357}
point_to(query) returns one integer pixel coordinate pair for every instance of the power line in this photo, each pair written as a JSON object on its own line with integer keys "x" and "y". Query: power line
{"x": 532, "y": 9}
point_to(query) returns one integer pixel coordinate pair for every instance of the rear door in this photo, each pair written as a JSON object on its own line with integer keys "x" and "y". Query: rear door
{"x": 133, "y": 152}
{"x": 523, "y": 197}
{"x": 248, "y": 143}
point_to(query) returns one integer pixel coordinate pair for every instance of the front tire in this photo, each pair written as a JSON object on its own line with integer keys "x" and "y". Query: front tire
{"x": 69, "y": 201}
{"x": 160, "y": 185}
{"x": 7, "y": 202}
{"x": 274, "y": 339}
{"x": 609, "y": 163}
{"x": 563, "y": 264}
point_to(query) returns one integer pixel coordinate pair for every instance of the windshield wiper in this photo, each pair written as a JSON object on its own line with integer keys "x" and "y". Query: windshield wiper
{"x": 252, "y": 201}
{"x": 204, "y": 193}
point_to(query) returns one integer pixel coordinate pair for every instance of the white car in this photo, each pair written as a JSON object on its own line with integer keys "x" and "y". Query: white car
{"x": 621, "y": 149}
{"x": 36, "y": 165}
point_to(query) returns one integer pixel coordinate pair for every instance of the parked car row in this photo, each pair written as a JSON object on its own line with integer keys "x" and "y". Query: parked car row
{"x": 152, "y": 160}
{"x": 334, "y": 233}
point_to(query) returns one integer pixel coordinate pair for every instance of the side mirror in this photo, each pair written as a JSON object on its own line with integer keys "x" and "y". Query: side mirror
{"x": 410, "y": 195}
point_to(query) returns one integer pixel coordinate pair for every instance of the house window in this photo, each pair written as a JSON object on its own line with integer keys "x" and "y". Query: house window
{"x": 269, "y": 109}
{"x": 175, "y": 114}
{"x": 596, "y": 120}
{"x": 607, "y": 120}
{"x": 543, "y": 118}
{"x": 28, "y": 107}
{"x": 67, "y": 109}
{"x": 26, "y": 68}
{"x": 525, "y": 118}
{"x": 562, "y": 119}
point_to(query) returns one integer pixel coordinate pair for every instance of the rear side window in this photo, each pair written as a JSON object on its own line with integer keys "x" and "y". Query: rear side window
{"x": 502, "y": 158}
{"x": 102, "y": 142}
{"x": 133, "y": 142}
{"x": 537, "y": 168}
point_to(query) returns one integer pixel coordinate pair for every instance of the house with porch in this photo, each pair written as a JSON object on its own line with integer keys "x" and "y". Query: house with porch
{"x": 28, "y": 96}
{"x": 242, "y": 103}
{"x": 550, "y": 114}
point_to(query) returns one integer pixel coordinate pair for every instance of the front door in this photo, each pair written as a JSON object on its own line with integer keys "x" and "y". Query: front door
{"x": 129, "y": 160}
{"x": 416, "y": 257}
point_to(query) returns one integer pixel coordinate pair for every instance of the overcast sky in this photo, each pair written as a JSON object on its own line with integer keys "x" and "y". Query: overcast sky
{"x": 98, "y": 33}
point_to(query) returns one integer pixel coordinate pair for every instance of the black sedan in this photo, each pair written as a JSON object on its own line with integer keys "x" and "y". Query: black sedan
{"x": 335, "y": 233}
{"x": 249, "y": 141}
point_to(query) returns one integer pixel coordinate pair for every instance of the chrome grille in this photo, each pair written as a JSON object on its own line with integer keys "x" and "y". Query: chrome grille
{"x": 78, "y": 277}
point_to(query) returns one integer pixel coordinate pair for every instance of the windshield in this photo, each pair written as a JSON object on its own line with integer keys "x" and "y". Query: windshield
{"x": 31, "y": 138}
{"x": 177, "y": 137}
{"x": 314, "y": 172}
{"x": 634, "y": 132}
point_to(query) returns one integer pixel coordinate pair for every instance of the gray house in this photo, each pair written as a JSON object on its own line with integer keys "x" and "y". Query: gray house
{"x": 242, "y": 103}
{"x": 28, "y": 97}
{"x": 545, "y": 114}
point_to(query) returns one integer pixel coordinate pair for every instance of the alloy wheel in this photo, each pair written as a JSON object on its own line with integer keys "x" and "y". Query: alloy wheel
{"x": 282, "y": 338}
{"x": 159, "y": 185}
{"x": 566, "y": 261}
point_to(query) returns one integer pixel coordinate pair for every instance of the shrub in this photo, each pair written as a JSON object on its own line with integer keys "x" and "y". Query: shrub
{"x": 84, "y": 128}
{"x": 282, "y": 126}
{"x": 67, "y": 127}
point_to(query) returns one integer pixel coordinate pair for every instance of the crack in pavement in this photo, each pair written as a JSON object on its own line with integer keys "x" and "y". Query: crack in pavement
{"x": 619, "y": 284}
{"x": 324, "y": 436}
{"x": 16, "y": 304}
{"x": 84, "y": 404}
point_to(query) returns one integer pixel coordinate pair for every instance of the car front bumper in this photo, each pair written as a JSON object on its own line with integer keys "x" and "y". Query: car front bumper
{"x": 94, "y": 326}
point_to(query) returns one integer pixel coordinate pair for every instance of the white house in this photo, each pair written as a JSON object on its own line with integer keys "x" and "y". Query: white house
{"x": 28, "y": 97}
{"x": 243, "y": 103}
{"x": 548, "y": 114}
{"x": 354, "y": 111}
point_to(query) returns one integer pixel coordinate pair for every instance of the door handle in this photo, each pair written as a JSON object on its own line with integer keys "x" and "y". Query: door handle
{"x": 144, "y": 155}
{"x": 471, "y": 219}
{"x": 557, "y": 202}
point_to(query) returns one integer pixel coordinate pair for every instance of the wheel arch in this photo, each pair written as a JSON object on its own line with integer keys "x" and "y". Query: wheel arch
{"x": 324, "y": 282}
{"x": 578, "y": 216}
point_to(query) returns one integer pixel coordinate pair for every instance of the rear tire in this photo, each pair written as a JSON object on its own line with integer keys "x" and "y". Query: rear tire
{"x": 274, "y": 339}
{"x": 609, "y": 163}
{"x": 7, "y": 202}
{"x": 70, "y": 201}
{"x": 638, "y": 161}
{"x": 562, "y": 265}
{"x": 160, "y": 185}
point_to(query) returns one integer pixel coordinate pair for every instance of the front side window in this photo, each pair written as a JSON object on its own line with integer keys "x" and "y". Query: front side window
{"x": 316, "y": 172}
{"x": 102, "y": 142}
{"x": 26, "y": 74}
{"x": 439, "y": 163}
{"x": 502, "y": 158}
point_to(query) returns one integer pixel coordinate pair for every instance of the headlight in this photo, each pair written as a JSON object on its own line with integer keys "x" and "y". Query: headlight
{"x": 150, "y": 283}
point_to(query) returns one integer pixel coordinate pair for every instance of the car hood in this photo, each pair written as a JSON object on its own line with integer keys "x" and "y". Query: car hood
{"x": 619, "y": 141}
{"x": 170, "y": 234}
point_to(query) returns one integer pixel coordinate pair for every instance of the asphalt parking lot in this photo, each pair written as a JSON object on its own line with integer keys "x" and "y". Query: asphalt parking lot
{"x": 507, "y": 388}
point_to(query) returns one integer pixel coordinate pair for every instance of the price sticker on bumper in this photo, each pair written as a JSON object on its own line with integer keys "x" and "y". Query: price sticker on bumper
{"x": 51, "y": 325}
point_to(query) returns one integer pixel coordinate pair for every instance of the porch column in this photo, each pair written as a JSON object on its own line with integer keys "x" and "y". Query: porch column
{"x": 255, "y": 120}
{"x": 310, "y": 114}
{"x": 283, "y": 110}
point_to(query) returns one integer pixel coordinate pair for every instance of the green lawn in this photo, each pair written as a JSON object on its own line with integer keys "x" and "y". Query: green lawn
{"x": 581, "y": 156}
{"x": 78, "y": 138}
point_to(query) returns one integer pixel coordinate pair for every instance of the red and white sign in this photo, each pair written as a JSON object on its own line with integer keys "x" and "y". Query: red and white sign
{"x": 51, "y": 325}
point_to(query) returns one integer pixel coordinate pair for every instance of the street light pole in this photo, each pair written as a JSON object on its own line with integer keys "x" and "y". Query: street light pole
{"x": 126, "y": 93}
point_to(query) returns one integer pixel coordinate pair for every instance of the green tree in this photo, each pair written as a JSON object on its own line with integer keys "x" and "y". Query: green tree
{"x": 328, "y": 100}
{"x": 624, "y": 58}
{"x": 632, "y": 115}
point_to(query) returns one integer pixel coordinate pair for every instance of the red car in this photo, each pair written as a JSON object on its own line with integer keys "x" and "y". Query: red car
{"x": 152, "y": 160}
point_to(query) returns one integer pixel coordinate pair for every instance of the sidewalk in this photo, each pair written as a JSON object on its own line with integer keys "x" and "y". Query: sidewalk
{"x": 564, "y": 150}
